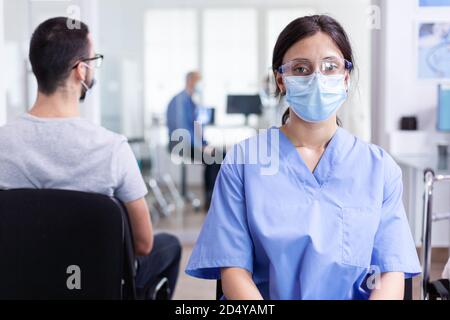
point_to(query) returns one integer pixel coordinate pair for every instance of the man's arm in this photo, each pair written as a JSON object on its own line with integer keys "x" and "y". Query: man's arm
{"x": 141, "y": 226}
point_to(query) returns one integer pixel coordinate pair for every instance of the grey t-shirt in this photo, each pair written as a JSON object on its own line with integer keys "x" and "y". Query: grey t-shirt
{"x": 68, "y": 154}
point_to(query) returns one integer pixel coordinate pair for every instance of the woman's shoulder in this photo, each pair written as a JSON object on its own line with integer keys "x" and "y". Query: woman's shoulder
{"x": 378, "y": 155}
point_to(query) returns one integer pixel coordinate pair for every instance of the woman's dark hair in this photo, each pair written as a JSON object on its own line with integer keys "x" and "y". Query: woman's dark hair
{"x": 303, "y": 28}
{"x": 55, "y": 47}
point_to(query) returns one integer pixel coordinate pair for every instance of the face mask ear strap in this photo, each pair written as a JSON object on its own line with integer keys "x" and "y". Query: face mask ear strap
{"x": 85, "y": 85}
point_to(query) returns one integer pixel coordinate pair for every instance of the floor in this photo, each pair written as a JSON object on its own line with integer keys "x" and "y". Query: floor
{"x": 193, "y": 289}
{"x": 186, "y": 226}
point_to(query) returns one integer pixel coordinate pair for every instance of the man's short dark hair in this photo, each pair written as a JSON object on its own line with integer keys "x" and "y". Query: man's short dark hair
{"x": 56, "y": 45}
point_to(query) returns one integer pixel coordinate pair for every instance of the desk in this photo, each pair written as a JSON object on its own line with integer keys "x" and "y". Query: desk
{"x": 423, "y": 162}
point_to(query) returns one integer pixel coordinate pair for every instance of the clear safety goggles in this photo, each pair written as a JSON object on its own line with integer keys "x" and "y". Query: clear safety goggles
{"x": 328, "y": 67}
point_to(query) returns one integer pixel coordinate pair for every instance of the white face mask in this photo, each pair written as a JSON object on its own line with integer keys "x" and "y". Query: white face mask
{"x": 198, "y": 88}
{"x": 87, "y": 87}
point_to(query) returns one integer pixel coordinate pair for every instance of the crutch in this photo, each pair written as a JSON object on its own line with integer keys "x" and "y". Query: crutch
{"x": 431, "y": 179}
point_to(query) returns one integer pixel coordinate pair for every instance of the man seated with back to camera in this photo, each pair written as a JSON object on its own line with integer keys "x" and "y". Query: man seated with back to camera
{"x": 52, "y": 147}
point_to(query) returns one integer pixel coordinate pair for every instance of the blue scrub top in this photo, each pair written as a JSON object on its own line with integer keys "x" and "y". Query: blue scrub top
{"x": 304, "y": 235}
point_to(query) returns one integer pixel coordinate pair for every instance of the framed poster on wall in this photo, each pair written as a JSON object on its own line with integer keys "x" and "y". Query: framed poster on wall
{"x": 433, "y": 50}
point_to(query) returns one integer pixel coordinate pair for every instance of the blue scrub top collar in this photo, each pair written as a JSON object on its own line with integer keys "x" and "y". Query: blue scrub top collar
{"x": 335, "y": 152}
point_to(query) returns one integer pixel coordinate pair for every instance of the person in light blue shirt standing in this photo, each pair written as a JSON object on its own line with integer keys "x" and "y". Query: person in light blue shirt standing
{"x": 308, "y": 211}
{"x": 182, "y": 113}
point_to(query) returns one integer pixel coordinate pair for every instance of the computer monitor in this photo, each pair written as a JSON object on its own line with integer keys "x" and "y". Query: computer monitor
{"x": 444, "y": 108}
{"x": 206, "y": 116}
{"x": 245, "y": 105}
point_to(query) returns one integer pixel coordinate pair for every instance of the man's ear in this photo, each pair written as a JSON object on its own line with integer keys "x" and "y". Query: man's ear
{"x": 280, "y": 83}
{"x": 80, "y": 72}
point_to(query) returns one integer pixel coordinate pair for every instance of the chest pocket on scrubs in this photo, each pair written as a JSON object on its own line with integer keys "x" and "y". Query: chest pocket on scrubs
{"x": 359, "y": 228}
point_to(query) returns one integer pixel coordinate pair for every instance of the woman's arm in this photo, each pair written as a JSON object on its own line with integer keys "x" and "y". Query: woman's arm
{"x": 391, "y": 286}
{"x": 238, "y": 284}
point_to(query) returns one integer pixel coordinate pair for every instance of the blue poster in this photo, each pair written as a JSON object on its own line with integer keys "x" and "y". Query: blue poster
{"x": 434, "y": 51}
{"x": 434, "y": 3}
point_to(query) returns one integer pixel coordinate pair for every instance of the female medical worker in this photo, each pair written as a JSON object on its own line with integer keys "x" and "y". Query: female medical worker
{"x": 329, "y": 222}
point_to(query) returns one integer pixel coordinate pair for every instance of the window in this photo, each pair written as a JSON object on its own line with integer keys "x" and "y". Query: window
{"x": 171, "y": 44}
{"x": 230, "y": 57}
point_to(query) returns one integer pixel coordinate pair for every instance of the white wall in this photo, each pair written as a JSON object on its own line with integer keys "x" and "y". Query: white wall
{"x": 401, "y": 92}
{"x": 2, "y": 78}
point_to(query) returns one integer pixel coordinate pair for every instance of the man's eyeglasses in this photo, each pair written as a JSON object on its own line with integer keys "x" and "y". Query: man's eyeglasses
{"x": 97, "y": 59}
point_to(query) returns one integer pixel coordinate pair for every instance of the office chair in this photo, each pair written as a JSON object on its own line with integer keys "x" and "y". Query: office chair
{"x": 64, "y": 245}
{"x": 408, "y": 290}
{"x": 439, "y": 290}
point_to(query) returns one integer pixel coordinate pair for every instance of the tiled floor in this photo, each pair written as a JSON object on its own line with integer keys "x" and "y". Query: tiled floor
{"x": 187, "y": 227}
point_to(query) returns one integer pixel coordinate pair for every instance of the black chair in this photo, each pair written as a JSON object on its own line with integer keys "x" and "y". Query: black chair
{"x": 64, "y": 245}
{"x": 408, "y": 290}
{"x": 439, "y": 290}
